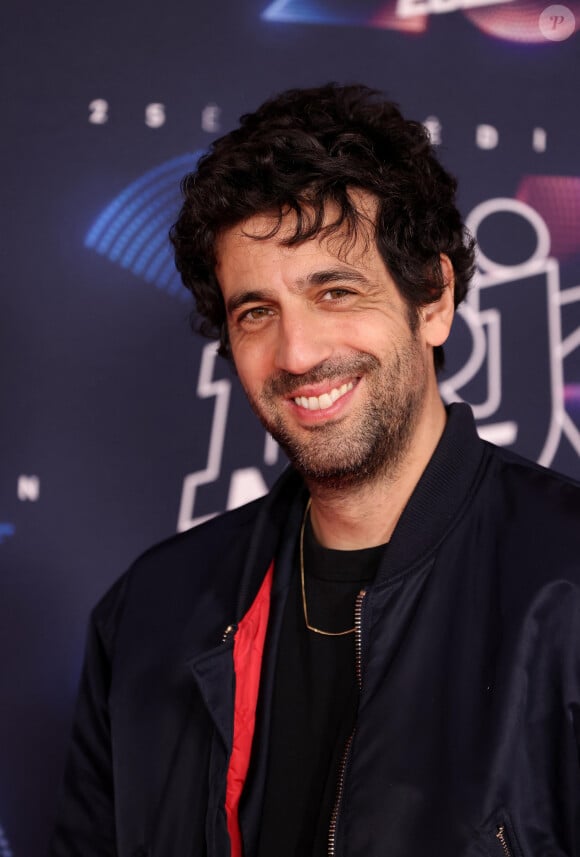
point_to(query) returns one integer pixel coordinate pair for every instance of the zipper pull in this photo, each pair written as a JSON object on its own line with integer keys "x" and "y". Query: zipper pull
{"x": 229, "y": 632}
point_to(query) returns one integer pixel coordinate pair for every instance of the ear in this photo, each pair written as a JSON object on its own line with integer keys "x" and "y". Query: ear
{"x": 437, "y": 317}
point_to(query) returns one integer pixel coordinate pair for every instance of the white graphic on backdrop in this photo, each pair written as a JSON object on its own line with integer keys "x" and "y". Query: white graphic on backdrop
{"x": 485, "y": 329}
{"x": 409, "y": 8}
{"x": 246, "y": 483}
{"x": 28, "y": 488}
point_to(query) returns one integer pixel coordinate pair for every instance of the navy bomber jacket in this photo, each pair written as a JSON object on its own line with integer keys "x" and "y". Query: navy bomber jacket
{"x": 467, "y": 735}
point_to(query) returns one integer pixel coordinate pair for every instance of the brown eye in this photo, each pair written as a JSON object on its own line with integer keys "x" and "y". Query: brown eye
{"x": 255, "y": 314}
{"x": 335, "y": 294}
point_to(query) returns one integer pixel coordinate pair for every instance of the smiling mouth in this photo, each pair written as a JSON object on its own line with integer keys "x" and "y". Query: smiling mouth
{"x": 326, "y": 400}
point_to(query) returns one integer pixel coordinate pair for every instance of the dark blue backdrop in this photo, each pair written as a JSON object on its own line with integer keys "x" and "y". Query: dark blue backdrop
{"x": 118, "y": 427}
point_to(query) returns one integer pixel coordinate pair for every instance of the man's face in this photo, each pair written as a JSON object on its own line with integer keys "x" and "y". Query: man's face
{"x": 331, "y": 358}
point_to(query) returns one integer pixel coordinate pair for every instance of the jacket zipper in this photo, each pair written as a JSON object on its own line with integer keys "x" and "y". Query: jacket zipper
{"x": 345, "y": 755}
{"x": 502, "y": 839}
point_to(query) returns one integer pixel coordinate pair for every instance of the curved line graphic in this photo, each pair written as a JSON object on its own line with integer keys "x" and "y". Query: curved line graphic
{"x": 132, "y": 230}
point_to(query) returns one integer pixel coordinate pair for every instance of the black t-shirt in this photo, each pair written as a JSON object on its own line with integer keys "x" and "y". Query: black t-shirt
{"x": 315, "y": 700}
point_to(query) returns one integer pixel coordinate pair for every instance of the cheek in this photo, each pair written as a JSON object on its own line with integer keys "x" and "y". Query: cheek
{"x": 370, "y": 334}
{"x": 251, "y": 365}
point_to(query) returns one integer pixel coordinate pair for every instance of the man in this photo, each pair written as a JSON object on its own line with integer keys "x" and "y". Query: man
{"x": 381, "y": 657}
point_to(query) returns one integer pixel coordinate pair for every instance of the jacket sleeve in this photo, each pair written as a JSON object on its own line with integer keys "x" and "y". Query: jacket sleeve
{"x": 86, "y": 815}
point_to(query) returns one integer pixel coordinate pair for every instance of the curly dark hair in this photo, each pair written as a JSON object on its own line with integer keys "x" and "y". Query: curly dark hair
{"x": 304, "y": 149}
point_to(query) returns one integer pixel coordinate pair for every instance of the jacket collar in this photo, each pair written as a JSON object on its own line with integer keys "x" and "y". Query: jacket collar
{"x": 279, "y": 517}
{"x": 437, "y": 502}
{"x": 442, "y": 494}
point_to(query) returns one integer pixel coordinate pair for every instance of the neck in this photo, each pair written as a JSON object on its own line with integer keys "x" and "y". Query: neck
{"x": 366, "y": 515}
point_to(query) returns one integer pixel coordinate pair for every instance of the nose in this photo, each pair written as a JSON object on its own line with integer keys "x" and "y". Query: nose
{"x": 304, "y": 341}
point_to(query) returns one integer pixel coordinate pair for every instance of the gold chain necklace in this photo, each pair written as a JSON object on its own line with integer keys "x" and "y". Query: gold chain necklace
{"x": 303, "y": 585}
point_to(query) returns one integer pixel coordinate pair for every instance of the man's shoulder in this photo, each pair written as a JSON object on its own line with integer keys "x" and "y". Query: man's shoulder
{"x": 217, "y": 540}
{"x": 209, "y": 558}
{"x": 536, "y": 502}
{"x": 213, "y": 537}
{"x": 542, "y": 484}
{"x": 170, "y": 582}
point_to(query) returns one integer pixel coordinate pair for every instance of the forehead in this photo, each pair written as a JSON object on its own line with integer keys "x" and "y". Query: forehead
{"x": 271, "y": 235}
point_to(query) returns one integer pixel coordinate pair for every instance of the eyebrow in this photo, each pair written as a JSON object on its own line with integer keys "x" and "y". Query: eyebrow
{"x": 250, "y": 297}
{"x": 316, "y": 278}
{"x": 335, "y": 275}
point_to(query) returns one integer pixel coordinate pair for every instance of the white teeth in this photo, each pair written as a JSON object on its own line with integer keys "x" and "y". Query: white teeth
{"x": 320, "y": 403}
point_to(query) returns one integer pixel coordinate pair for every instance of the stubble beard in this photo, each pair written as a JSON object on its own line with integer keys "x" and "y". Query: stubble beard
{"x": 362, "y": 447}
